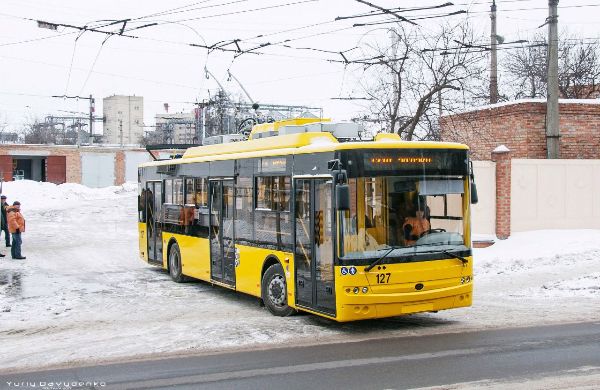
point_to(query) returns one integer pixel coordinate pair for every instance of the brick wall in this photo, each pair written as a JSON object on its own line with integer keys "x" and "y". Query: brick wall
{"x": 73, "y": 163}
{"x": 503, "y": 192}
{"x": 521, "y": 127}
{"x": 120, "y": 168}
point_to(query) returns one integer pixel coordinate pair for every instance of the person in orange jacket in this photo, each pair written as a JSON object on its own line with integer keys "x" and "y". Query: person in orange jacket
{"x": 16, "y": 226}
{"x": 414, "y": 227}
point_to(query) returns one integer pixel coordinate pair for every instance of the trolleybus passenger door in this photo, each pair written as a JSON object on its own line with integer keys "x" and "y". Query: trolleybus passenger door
{"x": 153, "y": 212}
{"x": 315, "y": 286}
{"x": 228, "y": 236}
{"x": 222, "y": 249}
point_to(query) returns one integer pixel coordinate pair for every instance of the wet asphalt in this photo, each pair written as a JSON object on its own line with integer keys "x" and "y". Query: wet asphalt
{"x": 387, "y": 363}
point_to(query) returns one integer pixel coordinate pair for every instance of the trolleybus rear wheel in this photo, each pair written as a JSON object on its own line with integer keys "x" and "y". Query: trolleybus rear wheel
{"x": 274, "y": 291}
{"x": 175, "y": 264}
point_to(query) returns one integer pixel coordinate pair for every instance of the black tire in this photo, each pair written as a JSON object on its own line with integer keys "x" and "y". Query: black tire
{"x": 274, "y": 291}
{"x": 174, "y": 260}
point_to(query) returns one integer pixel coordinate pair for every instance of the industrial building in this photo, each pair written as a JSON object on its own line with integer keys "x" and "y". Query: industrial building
{"x": 123, "y": 119}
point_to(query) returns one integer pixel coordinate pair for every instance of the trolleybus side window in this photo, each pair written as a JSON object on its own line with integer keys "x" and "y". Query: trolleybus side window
{"x": 272, "y": 217}
{"x": 243, "y": 210}
{"x": 173, "y": 210}
{"x": 273, "y": 193}
{"x": 178, "y": 191}
{"x": 169, "y": 191}
{"x": 201, "y": 193}
{"x": 201, "y": 199}
{"x": 190, "y": 192}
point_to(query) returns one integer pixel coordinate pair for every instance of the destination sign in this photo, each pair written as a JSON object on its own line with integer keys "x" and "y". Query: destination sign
{"x": 405, "y": 162}
{"x": 277, "y": 164}
{"x": 401, "y": 160}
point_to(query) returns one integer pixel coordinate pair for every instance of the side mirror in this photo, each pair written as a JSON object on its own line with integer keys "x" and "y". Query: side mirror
{"x": 474, "y": 197}
{"x": 342, "y": 197}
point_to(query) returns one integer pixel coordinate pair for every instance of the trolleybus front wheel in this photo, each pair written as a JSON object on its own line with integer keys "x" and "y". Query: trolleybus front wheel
{"x": 274, "y": 291}
{"x": 175, "y": 264}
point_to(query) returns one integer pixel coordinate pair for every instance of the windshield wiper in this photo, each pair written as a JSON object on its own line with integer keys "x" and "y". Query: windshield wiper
{"x": 464, "y": 261}
{"x": 379, "y": 260}
{"x": 447, "y": 253}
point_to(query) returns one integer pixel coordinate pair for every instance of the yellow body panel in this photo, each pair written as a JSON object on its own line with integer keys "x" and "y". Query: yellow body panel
{"x": 195, "y": 254}
{"x": 248, "y": 272}
{"x": 143, "y": 241}
{"x": 442, "y": 289}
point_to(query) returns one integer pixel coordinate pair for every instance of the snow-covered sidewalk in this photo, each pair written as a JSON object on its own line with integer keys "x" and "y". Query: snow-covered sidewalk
{"x": 83, "y": 294}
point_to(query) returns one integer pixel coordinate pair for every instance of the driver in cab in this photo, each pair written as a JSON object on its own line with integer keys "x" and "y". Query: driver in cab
{"x": 414, "y": 227}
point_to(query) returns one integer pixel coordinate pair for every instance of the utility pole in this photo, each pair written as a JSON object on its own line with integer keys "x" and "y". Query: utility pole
{"x": 552, "y": 115}
{"x": 494, "y": 58}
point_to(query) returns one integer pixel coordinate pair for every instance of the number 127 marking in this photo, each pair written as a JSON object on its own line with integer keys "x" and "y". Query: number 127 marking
{"x": 383, "y": 278}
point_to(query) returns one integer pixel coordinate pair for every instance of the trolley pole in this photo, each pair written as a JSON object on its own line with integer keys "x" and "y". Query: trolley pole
{"x": 494, "y": 58}
{"x": 552, "y": 114}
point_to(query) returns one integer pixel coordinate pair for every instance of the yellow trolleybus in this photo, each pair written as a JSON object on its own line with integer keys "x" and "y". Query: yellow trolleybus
{"x": 307, "y": 216}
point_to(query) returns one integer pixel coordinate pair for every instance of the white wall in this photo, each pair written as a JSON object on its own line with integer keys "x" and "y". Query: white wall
{"x": 483, "y": 214}
{"x": 555, "y": 194}
{"x": 132, "y": 160}
{"x": 98, "y": 169}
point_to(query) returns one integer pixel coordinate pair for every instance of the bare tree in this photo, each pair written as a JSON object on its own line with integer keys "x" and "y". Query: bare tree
{"x": 36, "y": 131}
{"x": 527, "y": 68}
{"x": 419, "y": 77}
{"x": 578, "y": 69}
{"x": 3, "y": 124}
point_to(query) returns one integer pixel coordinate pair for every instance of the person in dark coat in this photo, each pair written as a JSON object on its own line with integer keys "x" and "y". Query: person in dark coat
{"x": 4, "y": 225}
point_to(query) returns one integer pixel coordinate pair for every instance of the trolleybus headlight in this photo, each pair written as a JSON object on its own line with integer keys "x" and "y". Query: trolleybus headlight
{"x": 365, "y": 290}
{"x": 462, "y": 280}
{"x": 468, "y": 279}
{"x": 355, "y": 290}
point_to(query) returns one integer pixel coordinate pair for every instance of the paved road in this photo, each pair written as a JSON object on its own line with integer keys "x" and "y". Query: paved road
{"x": 403, "y": 362}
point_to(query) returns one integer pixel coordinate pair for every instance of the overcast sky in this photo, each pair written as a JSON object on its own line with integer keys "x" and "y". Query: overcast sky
{"x": 161, "y": 66}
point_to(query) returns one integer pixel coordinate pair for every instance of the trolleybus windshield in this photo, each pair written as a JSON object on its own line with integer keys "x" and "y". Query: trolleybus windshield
{"x": 404, "y": 202}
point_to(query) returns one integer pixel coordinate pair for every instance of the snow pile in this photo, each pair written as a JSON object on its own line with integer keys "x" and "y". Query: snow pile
{"x": 540, "y": 243}
{"x": 84, "y": 295}
{"x": 540, "y": 251}
{"x": 37, "y": 196}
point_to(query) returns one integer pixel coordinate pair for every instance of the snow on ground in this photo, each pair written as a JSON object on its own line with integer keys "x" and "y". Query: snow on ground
{"x": 83, "y": 294}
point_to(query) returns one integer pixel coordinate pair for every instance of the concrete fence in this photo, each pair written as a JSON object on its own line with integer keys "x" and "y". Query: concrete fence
{"x": 531, "y": 194}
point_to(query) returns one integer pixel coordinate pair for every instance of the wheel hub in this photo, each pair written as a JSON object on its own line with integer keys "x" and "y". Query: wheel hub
{"x": 277, "y": 290}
